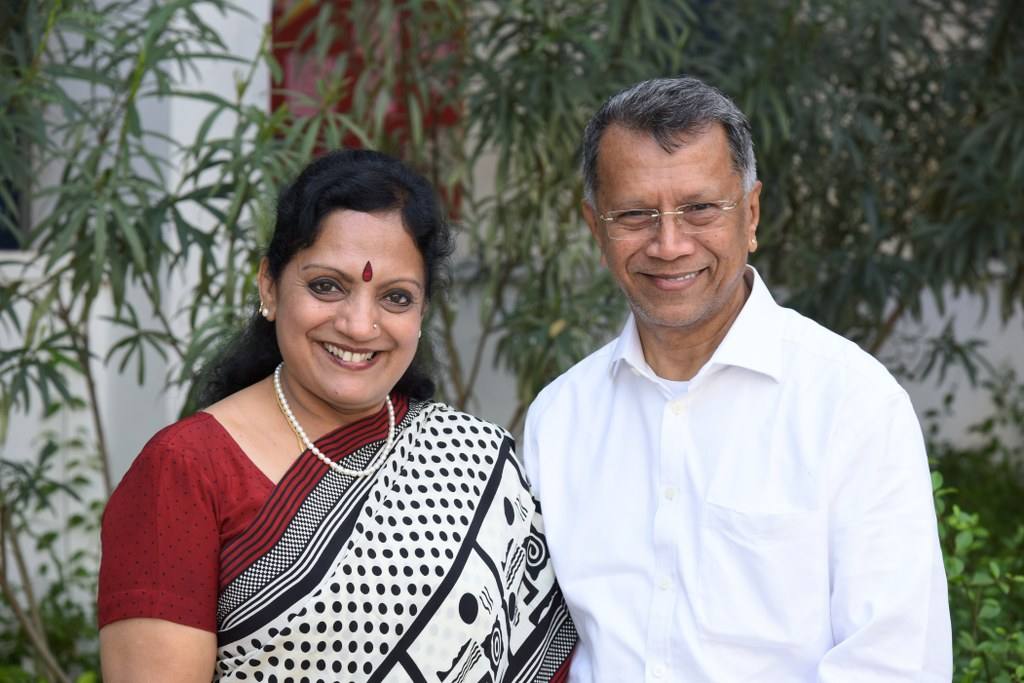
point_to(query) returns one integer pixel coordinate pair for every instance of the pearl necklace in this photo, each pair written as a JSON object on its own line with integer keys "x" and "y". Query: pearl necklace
{"x": 374, "y": 463}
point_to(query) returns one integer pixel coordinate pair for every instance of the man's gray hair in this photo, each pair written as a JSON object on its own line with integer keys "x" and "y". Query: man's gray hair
{"x": 670, "y": 109}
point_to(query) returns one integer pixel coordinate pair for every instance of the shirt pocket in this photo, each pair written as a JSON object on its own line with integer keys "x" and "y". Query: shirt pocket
{"x": 762, "y": 577}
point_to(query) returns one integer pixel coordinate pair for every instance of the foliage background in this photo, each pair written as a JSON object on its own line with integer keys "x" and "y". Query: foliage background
{"x": 890, "y": 136}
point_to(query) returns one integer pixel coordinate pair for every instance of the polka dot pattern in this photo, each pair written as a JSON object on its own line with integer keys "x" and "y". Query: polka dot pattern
{"x": 433, "y": 574}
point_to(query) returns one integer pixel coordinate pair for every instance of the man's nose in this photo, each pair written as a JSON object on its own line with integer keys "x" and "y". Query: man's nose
{"x": 670, "y": 239}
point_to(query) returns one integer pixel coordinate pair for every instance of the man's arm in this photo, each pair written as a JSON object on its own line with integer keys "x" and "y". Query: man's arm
{"x": 889, "y": 606}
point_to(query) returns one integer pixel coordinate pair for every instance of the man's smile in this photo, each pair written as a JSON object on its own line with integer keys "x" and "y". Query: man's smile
{"x": 673, "y": 281}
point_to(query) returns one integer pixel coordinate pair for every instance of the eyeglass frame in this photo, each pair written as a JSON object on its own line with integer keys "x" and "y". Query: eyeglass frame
{"x": 654, "y": 219}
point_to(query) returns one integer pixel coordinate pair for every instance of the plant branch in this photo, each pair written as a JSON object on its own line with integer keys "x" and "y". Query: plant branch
{"x": 516, "y": 421}
{"x": 485, "y": 333}
{"x": 26, "y": 579}
{"x": 44, "y": 40}
{"x": 80, "y": 333}
{"x": 162, "y": 318}
{"x": 36, "y": 636}
{"x": 887, "y": 328}
{"x": 454, "y": 364}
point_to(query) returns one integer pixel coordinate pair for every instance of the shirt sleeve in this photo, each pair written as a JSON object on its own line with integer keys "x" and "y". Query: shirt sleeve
{"x": 160, "y": 542}
{"x": 889, "y": 606}
{"x": 530, "y": 447}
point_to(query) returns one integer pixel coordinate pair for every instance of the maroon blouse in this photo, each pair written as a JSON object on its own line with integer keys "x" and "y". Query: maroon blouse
{"x": 189, "y": 491}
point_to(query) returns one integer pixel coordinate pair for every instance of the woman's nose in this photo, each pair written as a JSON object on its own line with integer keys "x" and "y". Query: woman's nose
{"x": 357, "y": 320}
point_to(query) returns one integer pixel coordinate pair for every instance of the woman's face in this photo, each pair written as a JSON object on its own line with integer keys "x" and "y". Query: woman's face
{"x": 347, "y": 312}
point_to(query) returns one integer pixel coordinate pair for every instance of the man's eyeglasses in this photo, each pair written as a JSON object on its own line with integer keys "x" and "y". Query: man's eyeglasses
{"x": 627, "y": 224}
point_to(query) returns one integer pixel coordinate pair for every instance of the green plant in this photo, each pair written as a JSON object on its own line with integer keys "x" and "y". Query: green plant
{"x": 48, "y": 561}
{"x": 986, "y": 579}
{"x": 891, "y": 140}
{"x": 982, "y": 533}
{"x": 889, "y": 136}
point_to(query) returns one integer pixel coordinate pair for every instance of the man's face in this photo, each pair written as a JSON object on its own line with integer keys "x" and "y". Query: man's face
{"x": 673, "y": 280}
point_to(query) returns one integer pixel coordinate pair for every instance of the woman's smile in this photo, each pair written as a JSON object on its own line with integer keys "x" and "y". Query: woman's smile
{"x": 355, "y": 358}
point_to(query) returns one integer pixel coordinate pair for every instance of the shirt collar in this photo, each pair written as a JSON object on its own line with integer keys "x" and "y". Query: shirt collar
{"x": 753, "y": 342}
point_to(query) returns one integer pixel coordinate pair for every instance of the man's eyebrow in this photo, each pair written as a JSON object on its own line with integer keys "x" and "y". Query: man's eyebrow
{"x": 695, "y": 197}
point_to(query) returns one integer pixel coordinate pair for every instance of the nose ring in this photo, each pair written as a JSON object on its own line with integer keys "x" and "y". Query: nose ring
{"x": 376, "y": 326}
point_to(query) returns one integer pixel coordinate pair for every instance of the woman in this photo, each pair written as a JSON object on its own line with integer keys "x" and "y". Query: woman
{"x": 321, "y": 518}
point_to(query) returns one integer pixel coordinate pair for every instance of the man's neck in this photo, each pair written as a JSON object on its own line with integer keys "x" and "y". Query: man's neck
{"x": 679, "y": 353}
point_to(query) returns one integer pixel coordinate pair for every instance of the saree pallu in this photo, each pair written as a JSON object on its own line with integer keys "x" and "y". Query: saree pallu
{"x": 434, "y": 568}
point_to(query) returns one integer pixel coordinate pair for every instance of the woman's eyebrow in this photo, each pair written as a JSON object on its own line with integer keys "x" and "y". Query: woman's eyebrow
{"x": 348, "y": 278}
{"x": 404, "y": 280}
{"x": 319, "y": 266}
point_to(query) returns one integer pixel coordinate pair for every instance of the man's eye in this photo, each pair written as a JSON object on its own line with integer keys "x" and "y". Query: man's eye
{"x": 696, "y": 208}
{"x": 634, "y": 216}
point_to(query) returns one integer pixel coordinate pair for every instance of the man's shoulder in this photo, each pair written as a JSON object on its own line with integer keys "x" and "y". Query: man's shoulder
{"x": 811, "y": 349}
{"x": 583, "y": 377}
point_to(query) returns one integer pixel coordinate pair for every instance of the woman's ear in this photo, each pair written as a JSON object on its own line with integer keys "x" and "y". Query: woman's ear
{"x": 268, "y": 291}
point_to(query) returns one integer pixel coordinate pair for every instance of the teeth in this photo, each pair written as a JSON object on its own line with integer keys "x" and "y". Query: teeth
{"x": 688, "y": 276}
{"x": 348, "y": 356}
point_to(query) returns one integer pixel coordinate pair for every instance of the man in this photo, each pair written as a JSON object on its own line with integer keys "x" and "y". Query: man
{"x": 731, "y": 492}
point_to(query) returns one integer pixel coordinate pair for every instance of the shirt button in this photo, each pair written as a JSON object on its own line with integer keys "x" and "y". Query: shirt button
{"x": 678, "y": 407}
{"x": 670, "y": 492}
{"x": 658, "y": 671}
{"x": 664, "y": 583}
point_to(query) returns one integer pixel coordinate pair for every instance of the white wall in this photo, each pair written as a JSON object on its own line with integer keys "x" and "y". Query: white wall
{"x": 1004, "y": 347}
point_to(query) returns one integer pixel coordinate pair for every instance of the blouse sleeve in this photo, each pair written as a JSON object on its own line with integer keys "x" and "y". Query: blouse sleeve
{"x": 160, "y": 537}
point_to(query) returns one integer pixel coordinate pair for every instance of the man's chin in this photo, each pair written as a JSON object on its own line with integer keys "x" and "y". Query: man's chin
{"x": 664, "y": 317}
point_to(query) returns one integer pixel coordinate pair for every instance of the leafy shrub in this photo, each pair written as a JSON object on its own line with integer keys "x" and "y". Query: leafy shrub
{"x": 979, "y": 503}
{"x": 48, "y": 583}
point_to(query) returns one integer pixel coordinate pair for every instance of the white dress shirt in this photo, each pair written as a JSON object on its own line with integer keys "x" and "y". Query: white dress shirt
{"x": 770, "y": 520}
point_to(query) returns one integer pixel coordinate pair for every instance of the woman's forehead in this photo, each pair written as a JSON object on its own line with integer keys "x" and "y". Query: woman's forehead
{"x": 349, "y": 240}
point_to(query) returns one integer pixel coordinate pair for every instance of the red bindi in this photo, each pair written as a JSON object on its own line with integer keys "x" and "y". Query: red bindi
{"x": 367, "y": 272}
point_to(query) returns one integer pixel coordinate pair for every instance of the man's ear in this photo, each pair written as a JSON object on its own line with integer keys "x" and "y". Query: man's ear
{"x": 754, "y": 206}
{"x": 268, "y": 291}
{"x": 596, "y": 227}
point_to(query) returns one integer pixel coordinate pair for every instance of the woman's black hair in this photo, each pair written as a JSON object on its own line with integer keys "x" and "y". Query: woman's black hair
{"x": 354, "y": 179}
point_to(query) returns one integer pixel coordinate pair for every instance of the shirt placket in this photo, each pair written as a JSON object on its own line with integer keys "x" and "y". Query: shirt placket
{"x": 660, "y": 665}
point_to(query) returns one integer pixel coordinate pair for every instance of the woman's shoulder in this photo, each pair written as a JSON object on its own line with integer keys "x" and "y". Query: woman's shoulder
{"x": 199, "y": 430}
{"x": 196, "y": 444}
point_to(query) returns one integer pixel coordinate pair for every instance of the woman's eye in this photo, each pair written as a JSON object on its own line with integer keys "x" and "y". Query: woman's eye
{"x": 398, "y": 298}
{"x": 322, "y": 287}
